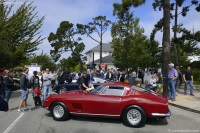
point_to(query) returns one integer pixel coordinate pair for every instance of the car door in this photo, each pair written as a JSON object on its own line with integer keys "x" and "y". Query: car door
{"x": 104, "y": 103}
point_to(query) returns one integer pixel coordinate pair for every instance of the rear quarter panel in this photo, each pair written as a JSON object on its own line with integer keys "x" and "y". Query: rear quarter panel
{"x": 149, "y": 102}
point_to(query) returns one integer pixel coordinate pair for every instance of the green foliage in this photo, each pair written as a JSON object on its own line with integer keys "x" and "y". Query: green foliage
{"x": 78, "y": 68}
{"x": 45, "y": 61}
{"x": 194, "y": 65}
{"x": 131, "y": 48}
{"x": 68, "y": 63}
{"x": 65, "y": 40}
{"x": 187, "y": 42}
{"x": 19, "y": 33}
{"x": 183, "y": 56}
{"x": 121, "y": 9}
{"x": 196, "y": 75}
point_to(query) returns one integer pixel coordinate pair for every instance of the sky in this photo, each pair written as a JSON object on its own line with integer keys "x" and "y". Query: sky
{"x": 82, "y": 11}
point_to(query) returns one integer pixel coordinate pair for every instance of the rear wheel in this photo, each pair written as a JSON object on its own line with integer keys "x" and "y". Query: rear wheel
{"x": 59, "y": 111}
{"x": 134, "y": 116}
{"x": 62, "y": 90}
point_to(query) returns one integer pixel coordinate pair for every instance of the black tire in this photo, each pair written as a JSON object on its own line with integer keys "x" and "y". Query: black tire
{"x": 134, "y": 116}
{"x": 62, "y": 90}
{"x": 59, "y": 111}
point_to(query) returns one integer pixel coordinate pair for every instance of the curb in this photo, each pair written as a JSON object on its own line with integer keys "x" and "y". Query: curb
{"x": 185, "y": 108}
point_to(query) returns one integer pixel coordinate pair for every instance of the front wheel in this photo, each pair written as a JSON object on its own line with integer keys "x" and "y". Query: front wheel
{"x": 59, "y": 111}
{"x": 134, "y": 116}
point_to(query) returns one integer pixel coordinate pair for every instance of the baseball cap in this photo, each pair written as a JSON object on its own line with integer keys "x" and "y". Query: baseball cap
{"x": 84, "y": 72}
{"x": 171, "y": 64}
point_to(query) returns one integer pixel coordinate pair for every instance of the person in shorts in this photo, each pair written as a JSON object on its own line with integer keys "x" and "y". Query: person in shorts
{"x": 24, "y": 84}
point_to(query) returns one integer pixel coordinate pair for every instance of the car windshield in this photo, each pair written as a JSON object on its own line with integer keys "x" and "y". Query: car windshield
{"x": 97, "y": 89}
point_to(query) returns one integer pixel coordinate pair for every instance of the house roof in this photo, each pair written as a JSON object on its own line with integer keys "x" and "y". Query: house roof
{"x": 107, "y": 60}
{"x": 106, "y": 47}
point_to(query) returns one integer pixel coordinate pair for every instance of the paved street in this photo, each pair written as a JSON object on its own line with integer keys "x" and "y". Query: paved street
{"x": 39, "y": 120}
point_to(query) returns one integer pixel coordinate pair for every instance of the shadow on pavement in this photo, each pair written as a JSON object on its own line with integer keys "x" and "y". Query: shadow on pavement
{"x": 15, "y": 108}
{"x": 96, "y": 119}
{"x": 156, "y": 122}
{"x": 36, "y": 107}
{"x": 48, "y": 114}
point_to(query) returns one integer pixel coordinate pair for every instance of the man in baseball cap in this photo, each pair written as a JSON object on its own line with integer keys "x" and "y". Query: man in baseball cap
{"x": 172, "y": 76}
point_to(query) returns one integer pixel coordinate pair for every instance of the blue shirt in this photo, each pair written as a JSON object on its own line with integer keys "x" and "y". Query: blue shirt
{"x": 172, "y": 73}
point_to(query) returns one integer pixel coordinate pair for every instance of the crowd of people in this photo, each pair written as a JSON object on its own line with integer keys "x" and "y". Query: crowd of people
{"x": 175, "y": 77}
{"x": 41, "y": 83}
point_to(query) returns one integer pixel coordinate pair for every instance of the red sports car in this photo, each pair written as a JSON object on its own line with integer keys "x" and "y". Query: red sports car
{"x": 120, "y": 100}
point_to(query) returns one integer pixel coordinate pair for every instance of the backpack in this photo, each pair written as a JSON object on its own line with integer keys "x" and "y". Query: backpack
{"x": 35, "y": 81}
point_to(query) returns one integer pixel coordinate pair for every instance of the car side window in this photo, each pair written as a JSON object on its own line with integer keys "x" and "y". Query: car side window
{"x": 113, "y": 90}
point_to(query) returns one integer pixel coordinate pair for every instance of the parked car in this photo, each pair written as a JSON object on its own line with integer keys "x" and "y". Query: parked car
{"x": 96, "y": 80}
{"x": 61, "y": 88}
{"x": 99, "y": 80}
{"x": 113, "y": 99}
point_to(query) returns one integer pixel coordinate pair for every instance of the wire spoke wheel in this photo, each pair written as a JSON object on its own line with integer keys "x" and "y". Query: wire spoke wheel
{"x": 134, "y": 116}
{"x": 58, "y": 111}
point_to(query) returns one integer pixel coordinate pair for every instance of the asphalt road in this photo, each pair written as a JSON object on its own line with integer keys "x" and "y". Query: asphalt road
{"x": 39, "y": 120}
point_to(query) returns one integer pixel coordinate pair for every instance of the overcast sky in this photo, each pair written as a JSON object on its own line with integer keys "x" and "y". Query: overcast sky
{"x": 82, "y": 11}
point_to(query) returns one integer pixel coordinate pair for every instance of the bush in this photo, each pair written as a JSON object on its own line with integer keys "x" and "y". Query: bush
{"x": 196, "y": 75}
{"x": 195, "y": 65}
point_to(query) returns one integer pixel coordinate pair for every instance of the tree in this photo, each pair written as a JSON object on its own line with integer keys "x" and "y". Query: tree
{"x": 44, "y": 60}
{"x": 19, "y": 33}
{"x": 166, "y": 37}
{"x": 177, "y": 28}
{"x": 166, "y": 44}
{"x": 64, "y": 40}
{"x": 131, "y": 47}
{"x": 68, "y": 63}
{"x": 99, "y": 25}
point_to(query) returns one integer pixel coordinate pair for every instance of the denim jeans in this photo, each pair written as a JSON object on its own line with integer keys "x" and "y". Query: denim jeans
{"x": 171, "y": 89}
{"x": 46, "y": 91}
{"x": 191, "y": 86}
{"x": 8, "y": 94}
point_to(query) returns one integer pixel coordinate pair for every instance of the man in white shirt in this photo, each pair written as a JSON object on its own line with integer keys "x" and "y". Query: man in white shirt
{"x": 47, "y": 77}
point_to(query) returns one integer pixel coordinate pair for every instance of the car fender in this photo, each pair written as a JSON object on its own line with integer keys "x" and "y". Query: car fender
{"x": 133, "y": 102}
{"x": 57, "y": 102}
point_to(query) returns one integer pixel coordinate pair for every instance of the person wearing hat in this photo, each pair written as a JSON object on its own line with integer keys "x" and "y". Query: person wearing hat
{"x": 85, "y": 80}
{"x": 172, "y": 76}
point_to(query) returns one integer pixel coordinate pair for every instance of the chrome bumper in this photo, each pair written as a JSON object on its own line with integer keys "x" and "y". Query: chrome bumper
{"x": 167, "y": 115}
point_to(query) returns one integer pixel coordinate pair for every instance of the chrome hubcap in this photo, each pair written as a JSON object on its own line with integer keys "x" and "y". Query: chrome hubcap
{"x": 134, "y": 116}
{"x": 58, "y": 111}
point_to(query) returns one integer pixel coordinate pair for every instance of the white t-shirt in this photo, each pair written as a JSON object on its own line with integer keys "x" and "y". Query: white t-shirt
{"x": 153, "y": 82}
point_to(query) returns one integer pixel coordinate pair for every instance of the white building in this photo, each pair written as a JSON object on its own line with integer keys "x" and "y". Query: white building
{"x": 94, "y": 55}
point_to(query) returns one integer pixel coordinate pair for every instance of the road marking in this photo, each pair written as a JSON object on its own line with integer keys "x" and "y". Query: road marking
{"x": 13, "y": 124}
